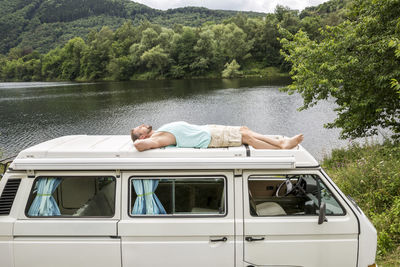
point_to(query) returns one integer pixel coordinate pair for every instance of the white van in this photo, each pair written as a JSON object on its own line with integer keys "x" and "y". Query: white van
{"x": 81, "y": 201}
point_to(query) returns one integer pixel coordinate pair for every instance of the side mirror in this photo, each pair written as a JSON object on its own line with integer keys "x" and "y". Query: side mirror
{"x": 322, "y": 212}
{"x": 4, "y": 164}
{"x": 3, "y": 169}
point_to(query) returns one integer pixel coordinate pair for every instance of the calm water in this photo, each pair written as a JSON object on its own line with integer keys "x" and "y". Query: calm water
{"x": 34, "y": 112}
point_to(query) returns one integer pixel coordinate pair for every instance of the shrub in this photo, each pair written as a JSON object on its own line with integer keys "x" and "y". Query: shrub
{"x": 371, "y": 175}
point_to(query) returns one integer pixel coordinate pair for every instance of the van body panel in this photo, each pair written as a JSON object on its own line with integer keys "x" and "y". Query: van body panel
{"x": 143, "y": 227}
{"x": 6, "y": 250}
{"x": 367, "y": 241}
{"x": 65, "y": 227}
{"x": 307, "y": 242}
{"x": 66, "y": 240}
{"x": 239, "y": 226}
{"x": 6, "y": 241}
{"x": 185, "y": 240}
{"x": 7, "y": 222}
{"x": 67, "y": 252}
{"x": 187, "y": 251}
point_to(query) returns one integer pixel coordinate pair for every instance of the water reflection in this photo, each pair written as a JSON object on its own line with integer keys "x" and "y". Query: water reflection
{"x": 33, "y": 113}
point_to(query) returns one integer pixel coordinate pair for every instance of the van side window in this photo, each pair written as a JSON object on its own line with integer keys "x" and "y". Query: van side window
{"x": 282, "y": 195}
{"x": 72, "y": 196}
{"x": 180, "y": 196}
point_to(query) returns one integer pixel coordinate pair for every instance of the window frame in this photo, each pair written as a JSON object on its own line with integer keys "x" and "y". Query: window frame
{"x": 159, "y": 177}
{"x": 258, "y": 175}
{"x": 70, "y": 216}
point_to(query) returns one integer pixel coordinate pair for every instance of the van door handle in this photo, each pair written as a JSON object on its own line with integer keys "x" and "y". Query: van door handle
{"x": 224, "y": 239}
{"x": 251, "y": 239}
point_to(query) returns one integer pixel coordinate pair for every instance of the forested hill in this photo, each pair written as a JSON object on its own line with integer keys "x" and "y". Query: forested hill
{"x": 45, "y": 24}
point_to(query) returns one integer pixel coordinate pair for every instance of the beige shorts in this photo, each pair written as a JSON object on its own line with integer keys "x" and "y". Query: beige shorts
{"x": 224, "y": 136}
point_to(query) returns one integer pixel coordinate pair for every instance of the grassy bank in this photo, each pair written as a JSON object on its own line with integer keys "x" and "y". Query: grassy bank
{"x": 251, "y": 71}
{"x": 371, "y": 175}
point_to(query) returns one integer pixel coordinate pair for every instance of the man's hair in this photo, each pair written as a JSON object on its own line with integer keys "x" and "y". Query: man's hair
{"x": 134, "y": 136}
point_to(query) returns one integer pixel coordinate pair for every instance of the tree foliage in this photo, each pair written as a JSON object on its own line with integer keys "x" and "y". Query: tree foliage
{"x": 44, "y": 25}
{"x": 231, "y": 70}
{"x": 355, "y": 63}
{"x": 140, "y": 50}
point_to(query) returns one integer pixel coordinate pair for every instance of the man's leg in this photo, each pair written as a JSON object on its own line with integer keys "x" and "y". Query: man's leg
{"x": 260, "y": 141}
{"x": 256, "y": 143}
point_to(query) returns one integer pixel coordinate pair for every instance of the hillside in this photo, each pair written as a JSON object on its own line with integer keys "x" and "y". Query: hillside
{"x": 45, "y": 24}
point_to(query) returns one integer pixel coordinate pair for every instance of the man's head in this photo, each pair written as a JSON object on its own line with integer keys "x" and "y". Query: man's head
{"x": 141, "y": 132}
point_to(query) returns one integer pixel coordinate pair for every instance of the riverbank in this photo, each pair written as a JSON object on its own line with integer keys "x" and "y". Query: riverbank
{"x": 371, "y": 175}
{"x": 251, "y": 71}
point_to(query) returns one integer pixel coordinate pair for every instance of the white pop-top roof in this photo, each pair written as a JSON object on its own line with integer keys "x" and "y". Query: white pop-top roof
{"x": 116, "y": 152}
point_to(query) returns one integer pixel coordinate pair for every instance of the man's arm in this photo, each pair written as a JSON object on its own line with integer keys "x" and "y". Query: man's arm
{"x": 154, "y": 142}
{"x": 145, "y": 144}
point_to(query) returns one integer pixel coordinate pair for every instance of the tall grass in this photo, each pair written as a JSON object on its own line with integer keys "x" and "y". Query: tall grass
{"x": 371, "y": 175}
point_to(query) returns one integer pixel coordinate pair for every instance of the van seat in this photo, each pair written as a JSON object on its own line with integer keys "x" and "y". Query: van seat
{"x": 269, "y": 208}
{"x": 101, "y": 204}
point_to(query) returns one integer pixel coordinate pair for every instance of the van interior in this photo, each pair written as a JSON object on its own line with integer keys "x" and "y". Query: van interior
{"x": 82, "y": 196}
{"x": 282, "y": 195}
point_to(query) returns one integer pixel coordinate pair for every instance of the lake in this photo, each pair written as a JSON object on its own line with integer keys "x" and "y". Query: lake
{"x": 34, "y": 112}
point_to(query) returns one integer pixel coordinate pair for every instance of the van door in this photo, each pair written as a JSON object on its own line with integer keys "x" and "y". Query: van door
{"x": 281, "y": 221}
{"x": 177, "y": 219}
{"x": 69, "y": 219}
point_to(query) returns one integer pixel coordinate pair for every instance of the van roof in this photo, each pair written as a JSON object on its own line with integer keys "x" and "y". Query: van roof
{"x": 116, "y": 152}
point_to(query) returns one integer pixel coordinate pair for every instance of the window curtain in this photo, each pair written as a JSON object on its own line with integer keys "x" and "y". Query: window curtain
{"x": 44, "y": 203}
{"x": 138, "y": 207}
{"x": 146, "y": 201}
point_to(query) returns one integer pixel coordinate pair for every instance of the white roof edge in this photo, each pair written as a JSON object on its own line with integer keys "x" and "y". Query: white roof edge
{"x": 154, "y": 163}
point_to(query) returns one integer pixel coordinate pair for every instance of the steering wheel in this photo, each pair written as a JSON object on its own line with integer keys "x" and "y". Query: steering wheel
{"x": 290, "y": 188}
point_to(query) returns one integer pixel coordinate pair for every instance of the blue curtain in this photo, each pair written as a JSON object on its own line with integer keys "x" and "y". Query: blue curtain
{"x": 138, "y": 207}
{"x": 146, "y": 201}
{"x": 44, "y": 203}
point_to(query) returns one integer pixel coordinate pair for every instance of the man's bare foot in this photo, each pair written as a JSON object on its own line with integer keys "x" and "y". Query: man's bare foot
{"x": 292, "y": 142}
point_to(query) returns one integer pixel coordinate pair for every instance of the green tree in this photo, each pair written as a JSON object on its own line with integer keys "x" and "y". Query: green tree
{"x": 149, "y": 39}
{"x": 120, "y": 68}
{"x": 231, "y": 70}
{"x": 311, "y": 25}
{"x": 183, "y": 49}
{"x": 266, "y": 47}
{"x": 155, "y": 58}
{"x": 72, "y": 53}
{"x": 51, "y": 64}
{"x": 124, "y": 37}
{"x": 355, "y": 63}
{"x": 165, "y": 39}
{"x": 288, "y": 18}
{"x": 395, "y": 83}
{"x": 205, "y": 51}
{"x": 230, "y": 43}
{"x": 3, "y": 62}
{"x": 97, "y": 54}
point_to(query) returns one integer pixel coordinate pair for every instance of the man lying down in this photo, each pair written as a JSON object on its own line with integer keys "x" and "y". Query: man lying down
{"x": 183, "y": 134}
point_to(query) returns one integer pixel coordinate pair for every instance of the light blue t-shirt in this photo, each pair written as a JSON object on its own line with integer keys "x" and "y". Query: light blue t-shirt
{"x": 188, "y": 135}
